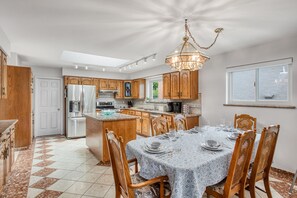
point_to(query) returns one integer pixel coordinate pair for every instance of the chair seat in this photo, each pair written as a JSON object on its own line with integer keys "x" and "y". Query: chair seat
{"x": 150, "y": 191}
{"x": 219, "y": 187}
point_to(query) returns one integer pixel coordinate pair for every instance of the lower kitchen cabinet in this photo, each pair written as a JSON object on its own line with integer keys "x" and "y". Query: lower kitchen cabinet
{"x": 138, "y": 122}
{"x": 192, "y": 121}
{"x": 146, "y": 124}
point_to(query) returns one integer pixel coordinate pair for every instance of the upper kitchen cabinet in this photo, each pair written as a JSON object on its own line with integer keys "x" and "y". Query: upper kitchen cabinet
{"x": 3, "y": 75}
{"x": 166, "y": 86}
{"x": 174, "y": 85}
{"x": 69, "y": 80}
{"x": 97, "y": 84}
{"x": 120, "y": 88}
{"x": 87, "y": 81}
{"x": 106, "y": 84}
{"x": 183, "y": 85}
{"x": 138, "y": 89}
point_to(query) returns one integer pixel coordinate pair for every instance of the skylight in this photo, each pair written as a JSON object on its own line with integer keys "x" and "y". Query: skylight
{"x": 89, "y": 59}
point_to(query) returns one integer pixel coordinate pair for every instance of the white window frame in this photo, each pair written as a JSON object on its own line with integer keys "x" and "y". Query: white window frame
{"x": 256, "y": 67}
{"x": 149, "y": 81}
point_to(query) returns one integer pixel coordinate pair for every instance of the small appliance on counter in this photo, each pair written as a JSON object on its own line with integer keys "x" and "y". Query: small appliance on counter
{"x": 130, "y": 104}
{"x": 169, "y": 106}
{"x": 177, "y": 107}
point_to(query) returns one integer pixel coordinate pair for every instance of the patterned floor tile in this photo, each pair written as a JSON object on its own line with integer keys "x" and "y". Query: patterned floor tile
{"x": 44, "y": 157}
{"x": 44, "y": 163}
{"x": 49, "y": 194}
{"x": 44, "y": 151}
{"x": 44, "y": 172}
{"x": 44, "y": 183}
{"x": 33, "y": 192}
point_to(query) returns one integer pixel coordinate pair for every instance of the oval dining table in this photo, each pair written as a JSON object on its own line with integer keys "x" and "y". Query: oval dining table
{"x": 189, "y": 167}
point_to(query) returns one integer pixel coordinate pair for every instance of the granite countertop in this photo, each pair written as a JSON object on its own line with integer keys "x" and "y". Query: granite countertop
{"x": 114, "y": 117}
{"x": 164, "y": 113}
{"x": 6, "y": 125}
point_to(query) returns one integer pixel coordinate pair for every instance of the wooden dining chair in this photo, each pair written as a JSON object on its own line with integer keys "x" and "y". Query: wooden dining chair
{"x": 238, "y": 169}
{"x": 180, "y": 123}
{"x": 263, "y": 160}
{"x": 130, "y": 186}
{"x": 245, "y": 122}
{"x": 159, "y": 125}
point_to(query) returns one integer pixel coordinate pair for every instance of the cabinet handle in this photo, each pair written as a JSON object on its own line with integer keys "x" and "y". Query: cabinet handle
{"x": 181, "y": 93}
{"x": 3, "y": 90}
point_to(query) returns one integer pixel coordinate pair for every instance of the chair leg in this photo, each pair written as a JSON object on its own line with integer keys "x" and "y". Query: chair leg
{"x": 252, "y": 189}
{"x": 267, "y": 186}
{"x": 241, "y": 193}
{"x": 293, "y": 183}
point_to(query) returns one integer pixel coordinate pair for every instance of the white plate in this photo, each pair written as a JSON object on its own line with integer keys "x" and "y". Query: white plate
{"x": 203, "y": 145}
{"x": 231, "y": 137}
{"x": 161, "y": 149}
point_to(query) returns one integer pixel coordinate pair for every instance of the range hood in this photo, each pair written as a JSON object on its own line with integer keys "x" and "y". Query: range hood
{"x": 108, "y": 91}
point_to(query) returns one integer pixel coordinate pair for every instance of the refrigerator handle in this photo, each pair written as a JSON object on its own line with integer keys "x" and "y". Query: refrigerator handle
{"x": 82, "y": 101}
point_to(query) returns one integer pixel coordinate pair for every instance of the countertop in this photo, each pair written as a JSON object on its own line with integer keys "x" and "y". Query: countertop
{"x": 114, "y": 117}
{"x": 162, "y": 112}
{"x": 6, "y": 125}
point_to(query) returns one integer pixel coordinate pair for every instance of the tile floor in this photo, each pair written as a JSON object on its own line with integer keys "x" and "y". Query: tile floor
{"x": 57, "y": 167}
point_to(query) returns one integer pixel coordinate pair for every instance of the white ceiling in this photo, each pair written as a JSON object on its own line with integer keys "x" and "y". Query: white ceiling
{"x": 40, "y": 30}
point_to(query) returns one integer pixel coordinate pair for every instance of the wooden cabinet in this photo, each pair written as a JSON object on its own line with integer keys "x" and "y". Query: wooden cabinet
{"x": 138, "y": 89}
{"x": 106, "y": 84}
{"x": 146, "y": 124}
{"x": 96, "y": 82}
{"x": 174, "y": 86}
{"x": 69, "y": 80}
{"x": 138, "y": 122}
{"x": 86, "y": 81}
{"x": 183, "y": 85}
{"x": 3, "y": 76}
{"x": 166, "y": 86}
{"x": 120, "y": 88}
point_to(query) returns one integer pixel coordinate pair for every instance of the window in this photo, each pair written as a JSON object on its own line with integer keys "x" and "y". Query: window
{"x": 261, "y": 83}
{"x": 155, "y": 91}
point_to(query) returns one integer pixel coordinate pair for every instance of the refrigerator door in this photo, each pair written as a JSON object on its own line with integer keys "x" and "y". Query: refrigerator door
{"x": 74, "y": 101}
{"x": 76, "y": 127}
{"x": 89, "y": 99}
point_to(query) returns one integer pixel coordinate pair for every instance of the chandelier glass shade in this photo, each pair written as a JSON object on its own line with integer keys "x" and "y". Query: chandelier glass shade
{"x": 186, "y": 56}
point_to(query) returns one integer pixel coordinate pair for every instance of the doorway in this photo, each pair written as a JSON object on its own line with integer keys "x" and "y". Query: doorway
{"x": 48, "y": 103}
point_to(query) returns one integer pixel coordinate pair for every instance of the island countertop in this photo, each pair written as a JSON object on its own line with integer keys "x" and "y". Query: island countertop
{"x": 114, "y": 117}
{"x": 6, "y": 125}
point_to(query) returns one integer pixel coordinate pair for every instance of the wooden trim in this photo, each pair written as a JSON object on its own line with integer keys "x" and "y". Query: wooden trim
{"x": 262, "y": 106}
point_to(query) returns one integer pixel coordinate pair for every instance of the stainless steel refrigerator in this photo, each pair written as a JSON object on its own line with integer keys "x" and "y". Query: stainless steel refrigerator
{"x": 81, "y": 99}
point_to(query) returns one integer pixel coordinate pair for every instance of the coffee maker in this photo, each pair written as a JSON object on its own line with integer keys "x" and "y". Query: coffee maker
{"x": 177, "y": 106}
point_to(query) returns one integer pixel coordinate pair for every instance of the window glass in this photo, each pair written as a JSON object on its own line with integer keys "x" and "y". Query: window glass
{"x": 273, "y": 83}
{"x": 243, "y": 87}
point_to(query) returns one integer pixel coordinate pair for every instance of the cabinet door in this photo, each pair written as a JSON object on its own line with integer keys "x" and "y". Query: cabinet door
{"x": 192, "y": 122}
{"x": 138, "y": 122}
{"x": 141, "y": 89}
{"x": 145, "y": 128}
{"x": 4, "y": 77}
{"x": 103, "y": 84}
{"x": 120, "y": 88}
{"x": 87, "y": 81}
{"x": 135, "y": 89}
{"x": 1, "y": 75}
{"x": 166, "y": 86}
{"x": 72, "y": 81}
{"x": 97, "y": 84}
{"x": 185, "y": 85}
{"x": 112, "y": 84}
{"x": 175, "y": 85}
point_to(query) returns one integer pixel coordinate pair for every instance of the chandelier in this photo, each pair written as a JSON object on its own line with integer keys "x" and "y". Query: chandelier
{"x": 186, "y": 56}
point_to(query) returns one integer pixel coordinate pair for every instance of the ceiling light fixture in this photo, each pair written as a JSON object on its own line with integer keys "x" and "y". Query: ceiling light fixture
{"x": 103, "y": 69}
{"x": 76, "y": 67}
{"x": 186, "y": 56}
{"x": 154, "y": 57}
{"x": 136, "y": 63}
{"x": 145, "y": 61}
{"x": 86, "y": 67}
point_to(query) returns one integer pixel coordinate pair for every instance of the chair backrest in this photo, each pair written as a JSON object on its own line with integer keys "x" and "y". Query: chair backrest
{"x": 119, "y": 163}
{"x": 265, "y": 152}
{"x": 180, "y": 123}
{"x": 159, "y": 125}
{"x": 239, "y": 164}
{"x": 245, "y": 122}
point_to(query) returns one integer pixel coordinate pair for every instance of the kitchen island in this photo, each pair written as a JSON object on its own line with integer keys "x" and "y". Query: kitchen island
{"x": 96, "y": 125}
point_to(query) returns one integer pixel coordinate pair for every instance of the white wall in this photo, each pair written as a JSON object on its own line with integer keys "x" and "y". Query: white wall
{"x": 4, "y": 42}
{"x": 150, "y": 72}
{"x": 213, "y": 87}
{"x": 93, "y": 74}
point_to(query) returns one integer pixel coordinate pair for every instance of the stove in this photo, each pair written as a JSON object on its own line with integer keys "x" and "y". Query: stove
{"x": 104, "y": 105}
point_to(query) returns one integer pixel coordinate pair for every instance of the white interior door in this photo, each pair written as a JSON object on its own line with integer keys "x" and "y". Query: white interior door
{"x": 48, "y": 107}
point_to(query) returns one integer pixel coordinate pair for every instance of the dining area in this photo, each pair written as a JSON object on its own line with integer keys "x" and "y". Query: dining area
{"x": 212, "y": 161}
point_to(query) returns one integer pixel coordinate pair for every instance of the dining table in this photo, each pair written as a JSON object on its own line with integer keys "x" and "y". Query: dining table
{"x": 189, "y": 166}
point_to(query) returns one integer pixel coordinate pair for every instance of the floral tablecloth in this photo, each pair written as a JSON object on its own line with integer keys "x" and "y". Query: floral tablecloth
{"x": 189, "y": 167}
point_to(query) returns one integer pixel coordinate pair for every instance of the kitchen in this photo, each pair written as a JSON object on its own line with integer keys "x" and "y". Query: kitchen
{"x": 75, "y": 78}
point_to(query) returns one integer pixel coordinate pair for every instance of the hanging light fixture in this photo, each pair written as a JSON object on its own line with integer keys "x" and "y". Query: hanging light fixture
{"x": 186, "y": 56}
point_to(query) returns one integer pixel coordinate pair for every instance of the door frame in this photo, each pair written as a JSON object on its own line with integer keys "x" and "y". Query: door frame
{"x": 61, "y": 102}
